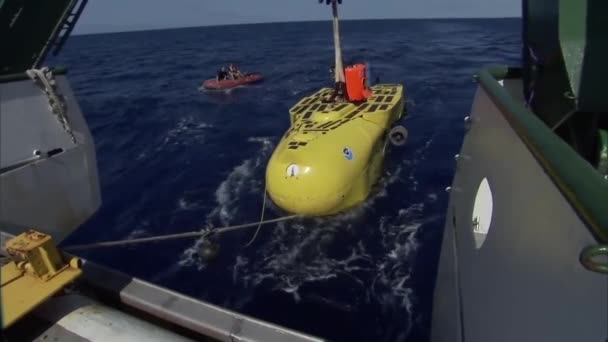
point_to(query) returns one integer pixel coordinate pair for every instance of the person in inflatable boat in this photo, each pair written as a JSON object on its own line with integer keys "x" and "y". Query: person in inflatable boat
{"x": 234, "y": 72}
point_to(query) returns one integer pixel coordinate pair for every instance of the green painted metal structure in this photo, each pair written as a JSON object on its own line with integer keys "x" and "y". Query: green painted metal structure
{"x": 564, "y": 66}
{"x": 580, "y": 181}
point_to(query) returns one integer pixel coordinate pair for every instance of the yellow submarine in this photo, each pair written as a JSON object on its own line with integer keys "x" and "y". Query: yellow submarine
{"x": 333, "y": 153}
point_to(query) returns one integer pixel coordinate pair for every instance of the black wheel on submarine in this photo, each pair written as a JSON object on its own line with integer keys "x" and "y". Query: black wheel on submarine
{"x": 398, "y": 135}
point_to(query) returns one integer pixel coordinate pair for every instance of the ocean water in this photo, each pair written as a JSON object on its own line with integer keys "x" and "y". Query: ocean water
{"x": 175, "y": 159}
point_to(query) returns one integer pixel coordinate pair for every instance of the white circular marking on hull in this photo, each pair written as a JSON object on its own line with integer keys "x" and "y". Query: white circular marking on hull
{"x": 482, "y": 213}
{"x": 293, "y": 170}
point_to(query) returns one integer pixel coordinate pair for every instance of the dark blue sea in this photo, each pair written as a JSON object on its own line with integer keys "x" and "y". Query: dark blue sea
{"x": 174, "y": 159}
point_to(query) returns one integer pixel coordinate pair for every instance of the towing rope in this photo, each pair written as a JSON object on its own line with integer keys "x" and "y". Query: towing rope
{"x": 261, "y": 220}
{"x": 204, "y": 233}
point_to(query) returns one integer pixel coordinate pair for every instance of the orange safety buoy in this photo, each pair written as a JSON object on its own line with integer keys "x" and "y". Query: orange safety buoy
{"x": 355, "y": 83}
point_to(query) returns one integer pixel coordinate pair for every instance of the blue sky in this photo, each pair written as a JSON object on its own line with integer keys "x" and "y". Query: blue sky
{"x": 128, "y": 15}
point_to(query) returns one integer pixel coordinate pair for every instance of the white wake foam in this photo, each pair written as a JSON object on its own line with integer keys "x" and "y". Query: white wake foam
{"x": 187, "y": 130}
{"x": 241, "y": 180}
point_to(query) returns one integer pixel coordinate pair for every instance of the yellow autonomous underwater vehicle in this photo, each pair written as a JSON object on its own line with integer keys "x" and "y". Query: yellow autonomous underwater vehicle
{"x": 333, "y": 152}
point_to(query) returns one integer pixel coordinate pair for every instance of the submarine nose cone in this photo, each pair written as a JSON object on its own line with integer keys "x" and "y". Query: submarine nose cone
{"x": 318, "y": 180}
{"x": 301, "y": 189}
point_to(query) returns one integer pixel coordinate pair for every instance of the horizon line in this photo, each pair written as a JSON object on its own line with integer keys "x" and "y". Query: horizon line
{"x": 285, "y": 22}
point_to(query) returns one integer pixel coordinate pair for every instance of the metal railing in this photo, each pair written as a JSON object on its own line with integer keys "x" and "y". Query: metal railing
{"x": 582, "y": 185}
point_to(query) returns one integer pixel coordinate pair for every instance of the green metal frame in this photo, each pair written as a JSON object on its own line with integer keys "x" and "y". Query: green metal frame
{"x": 581, "y": 184}
{"x": 588, "y": 258}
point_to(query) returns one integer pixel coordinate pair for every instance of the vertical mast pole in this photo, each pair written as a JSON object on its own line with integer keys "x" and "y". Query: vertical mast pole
{"x": 339, "y": 68}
